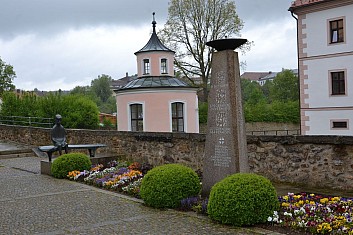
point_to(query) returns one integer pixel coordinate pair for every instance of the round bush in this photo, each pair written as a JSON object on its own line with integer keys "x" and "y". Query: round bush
{"x": 62, "y": 165}
{"x": 242, "y": 199}
{"x": 165, "y": 186}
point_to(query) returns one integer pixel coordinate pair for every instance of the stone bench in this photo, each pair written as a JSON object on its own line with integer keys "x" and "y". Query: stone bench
{"x": 50, "y": 149}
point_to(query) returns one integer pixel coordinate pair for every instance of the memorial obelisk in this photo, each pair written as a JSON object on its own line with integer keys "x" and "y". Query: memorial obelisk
{"x": 225, "y": 147}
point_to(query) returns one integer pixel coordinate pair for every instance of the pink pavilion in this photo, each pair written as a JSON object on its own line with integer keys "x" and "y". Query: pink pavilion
{"x": 156, "y": 101}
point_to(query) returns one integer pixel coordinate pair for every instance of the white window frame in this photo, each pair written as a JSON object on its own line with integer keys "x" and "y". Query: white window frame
{"x": 144, "y": 68}
{"x": 166, "y": 65}
{"x": 184, "y": 114}
{"x": 143, "y": 114}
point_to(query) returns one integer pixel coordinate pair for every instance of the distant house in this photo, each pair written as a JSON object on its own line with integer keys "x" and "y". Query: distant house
{"x": 156, "y": 101}
{"x": 119, "y": 83}
{"x": 262, "y": 77}
{"x": 325, "y": 49}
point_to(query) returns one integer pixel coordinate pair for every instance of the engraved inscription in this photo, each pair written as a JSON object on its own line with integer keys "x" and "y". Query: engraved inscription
{"x": 221, "y": 78}
{"x": 221, "y": 156}
{"x": 221, "y": 119}
{"x": 220, "y": 107}
{"x": 219, "y": 130}
{"x": 220, "y": 96}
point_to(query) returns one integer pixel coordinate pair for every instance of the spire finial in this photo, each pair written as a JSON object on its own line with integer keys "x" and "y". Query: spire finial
{"x": 154, "y": 23}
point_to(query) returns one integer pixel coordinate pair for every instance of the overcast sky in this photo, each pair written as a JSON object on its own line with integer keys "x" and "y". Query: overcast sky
{"x": 60, "y": 44}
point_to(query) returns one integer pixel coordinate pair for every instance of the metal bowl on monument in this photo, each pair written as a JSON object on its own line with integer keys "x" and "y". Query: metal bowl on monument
{"x": 226, "y": 44}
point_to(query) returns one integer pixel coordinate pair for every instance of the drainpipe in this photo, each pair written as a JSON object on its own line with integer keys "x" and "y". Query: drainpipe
{"x": 300, "y": 117}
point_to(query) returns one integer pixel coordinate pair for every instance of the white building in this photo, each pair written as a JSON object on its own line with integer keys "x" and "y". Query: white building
{"x": 325, "y": 51}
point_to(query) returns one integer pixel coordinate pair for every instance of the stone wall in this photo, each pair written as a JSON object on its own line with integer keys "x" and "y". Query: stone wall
{"x": 320, "y": 161}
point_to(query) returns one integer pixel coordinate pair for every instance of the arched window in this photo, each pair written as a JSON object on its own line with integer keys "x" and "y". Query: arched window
{"x": 164, "y": 67}
{"x": 177, "y": 117}
{"x": 136, "y": 114}
{"x": 146, "y": 66}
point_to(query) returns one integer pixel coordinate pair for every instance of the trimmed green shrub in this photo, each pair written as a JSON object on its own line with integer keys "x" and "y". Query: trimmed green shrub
{"x": 242, "y": 199}
{"x": 70, "y": 162}
{"x": 165, "y": 186}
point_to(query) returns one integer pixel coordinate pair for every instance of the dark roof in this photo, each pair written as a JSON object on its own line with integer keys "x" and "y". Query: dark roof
{"x": 155, "y": 82}
{"x": 154, "y": 44}
{"x": 115, "y": 84}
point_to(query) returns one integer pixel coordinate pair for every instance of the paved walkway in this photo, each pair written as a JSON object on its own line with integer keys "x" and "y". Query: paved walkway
{"x": 31, "y": 203}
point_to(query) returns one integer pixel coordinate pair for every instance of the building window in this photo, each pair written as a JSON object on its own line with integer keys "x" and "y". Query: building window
{"x": 164, "y": 66}
{"x": 336, "y": 31}
{"x": 339, "y": 124}
{"x": 146, "y": 66}
{"x": 178, "y": 117}
{"x": 338, "y": 83}
{"x": 136, "y": 114}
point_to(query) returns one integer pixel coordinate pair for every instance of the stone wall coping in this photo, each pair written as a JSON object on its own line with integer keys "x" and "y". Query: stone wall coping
{"x": 304, "y": 139}
{"x": 168, "y": 136}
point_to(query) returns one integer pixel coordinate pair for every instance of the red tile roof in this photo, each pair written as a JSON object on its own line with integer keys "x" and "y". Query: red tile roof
{"x": 254, "y": 76}
{"x": 299, "y": 3}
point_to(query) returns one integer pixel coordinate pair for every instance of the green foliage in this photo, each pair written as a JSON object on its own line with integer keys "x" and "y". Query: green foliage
{"x": 109, "y": 106}
{"x": 107, "y": 123}
{"x": 203, "y": 110}
{"x": 165, "y": 186}
{"x": 16, "y": 105}
{"x": 100, "y": 93}
{"x": 65, "y": 163}
{"x": 275, "y": 101}
{"x": 77, "y": 111}
{"x": 277, "y": 111}
{"x": 242, "y": 199}
{"x": 101, "y": 87}
{"x": 252, "y": 92}
{"x": 86, "y": 91}
{"x": 7, "y": 75}
{"x": 285, "y": 87}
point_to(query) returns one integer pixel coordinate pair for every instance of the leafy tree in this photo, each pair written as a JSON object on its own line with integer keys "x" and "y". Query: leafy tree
{"x": 192, "y": 23}
{"x": 251, "y": 92}
{"x": 7, "y": 75}
{"x": 285, "y": 87}
{"x": 78, "y": 111}
{"x": 203, "y": 110}
{"x": 266, "y": 90}
{"x": 20, "y": 105}
{"x": 86, "y": 91}
{"x": 101, "y": 87}
{"x": 109, "y": 106}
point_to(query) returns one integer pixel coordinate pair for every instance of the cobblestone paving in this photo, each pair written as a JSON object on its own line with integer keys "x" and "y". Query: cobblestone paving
{"x": 31, "y": 203}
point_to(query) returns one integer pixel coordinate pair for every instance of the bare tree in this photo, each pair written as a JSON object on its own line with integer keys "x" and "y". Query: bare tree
{"x": 192, "y": 23}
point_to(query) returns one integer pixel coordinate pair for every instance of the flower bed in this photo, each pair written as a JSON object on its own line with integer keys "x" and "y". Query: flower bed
{"x": 116, "y": 176}
{"x": 309, "y": 213}
{"x": 315, "y": 213}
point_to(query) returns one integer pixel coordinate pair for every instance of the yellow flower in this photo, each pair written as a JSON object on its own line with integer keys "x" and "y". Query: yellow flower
{"x": 324, "y": 228}
{"x": 285, "y": 204}
{"x": 324, "y": 200}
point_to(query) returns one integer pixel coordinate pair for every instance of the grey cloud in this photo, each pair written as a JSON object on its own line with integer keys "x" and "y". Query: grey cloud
{"x": 257, "y": 12}
{"x": 50, "y": 16}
